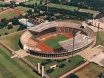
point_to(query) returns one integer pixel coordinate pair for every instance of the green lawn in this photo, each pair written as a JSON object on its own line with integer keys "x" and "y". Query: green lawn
{"x": 22, "y": 8}
{"x": 53, "y": 43}
{"x": 90, "y": 11}
{"x": 8, "y": 14}
{"x": 100, "y": 38}
{"x": 12, "y": 40}
{"x": 33, "y": 2}
{"x": 5, "y": 29}
{"x": 61, "y": 6}
{"x": 13, "y": 67}
{"x": 75, "y": 60}
{"x": 2, "y": 2}
{"x": 90, "y": 71}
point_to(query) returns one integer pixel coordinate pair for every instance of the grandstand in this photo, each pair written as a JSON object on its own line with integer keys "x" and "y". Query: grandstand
{"x": 34, "y": 39}
{"x": 43, "y": 26}
{"x": 80, "y": 41}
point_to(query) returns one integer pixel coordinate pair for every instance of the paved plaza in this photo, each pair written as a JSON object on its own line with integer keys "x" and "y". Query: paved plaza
{"x": 21, "y": 53}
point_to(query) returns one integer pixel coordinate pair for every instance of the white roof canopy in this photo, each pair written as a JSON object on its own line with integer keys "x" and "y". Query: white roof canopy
{"x": 44, "y": 26}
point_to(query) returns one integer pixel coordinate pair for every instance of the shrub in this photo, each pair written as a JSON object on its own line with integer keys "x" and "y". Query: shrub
{"x": 10, "y": 27}
{"x": 49, "y": 70}
{"x": 6, "y": 33}
{"x": 62, "y": 66}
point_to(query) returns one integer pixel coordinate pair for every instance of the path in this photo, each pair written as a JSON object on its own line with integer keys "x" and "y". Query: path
{"x": 74, "y": 70}
{"x": 21, "y": 53}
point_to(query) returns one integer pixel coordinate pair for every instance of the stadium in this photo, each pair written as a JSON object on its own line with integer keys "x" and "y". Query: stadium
{"x": 55, "y": 40}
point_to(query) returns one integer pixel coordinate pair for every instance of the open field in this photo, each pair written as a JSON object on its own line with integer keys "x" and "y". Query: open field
{"x": 90, "y": 71}
{"x": 13, "y": 67}
{"x": 33, "y": 2}
{"x": 89, "y": 11}
{"x": 22, "y": 8}
{"x": 61, "y": 6}
{"x": 53, "y": 43}
{"x": 12, "y": 40}
{"x": 75, "y": 60}
{"x": 5, "y": 30}
{"x": 100, "y": 38}
{"x": 2, "y": 2}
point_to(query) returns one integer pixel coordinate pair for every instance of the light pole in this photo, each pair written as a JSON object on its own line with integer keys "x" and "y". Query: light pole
{"x": 95, "y": 22}
{"x": 73, "y": 43}
{"x": 97, "y": 34}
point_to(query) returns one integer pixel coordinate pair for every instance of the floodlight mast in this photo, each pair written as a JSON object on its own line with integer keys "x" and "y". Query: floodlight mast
{"x": 73, "y": 43}
{"x": 97, "y": 34}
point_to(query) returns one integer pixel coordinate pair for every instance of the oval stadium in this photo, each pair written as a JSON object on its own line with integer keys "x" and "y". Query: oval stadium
{"x": 57, "y": 40}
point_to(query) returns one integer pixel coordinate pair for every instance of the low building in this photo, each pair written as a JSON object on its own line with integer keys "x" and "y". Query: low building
{"x": 16, "y": 1}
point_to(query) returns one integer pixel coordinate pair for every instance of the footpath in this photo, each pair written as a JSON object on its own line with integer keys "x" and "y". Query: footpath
{"x": 74, "y": 70}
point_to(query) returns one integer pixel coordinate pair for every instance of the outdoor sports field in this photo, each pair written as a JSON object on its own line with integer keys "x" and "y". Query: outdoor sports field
{"x": 13, "y": 67}
{"x": 8, "y": 14}
{"x": 53, "y": 43}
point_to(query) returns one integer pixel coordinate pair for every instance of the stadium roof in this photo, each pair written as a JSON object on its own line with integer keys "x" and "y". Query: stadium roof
{"x": 44, "y": 26}
{"x": 79, "y": 42}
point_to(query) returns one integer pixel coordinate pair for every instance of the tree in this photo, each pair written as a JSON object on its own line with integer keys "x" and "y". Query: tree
{"x": 21, "y": 28}
{"x": 15, "y": 21}
{"x": 10, "y": 26}
{"x": 49, "y": 70}
{"x": 101, "y": 75}
{"x": 4, "y": 22}
{"x": 41, "y": 2}
{"x": 72, "y": 75}
{"x": 6, "y": 33}
{"x": 35, "y": 5}
{"x": 62, "y": 66}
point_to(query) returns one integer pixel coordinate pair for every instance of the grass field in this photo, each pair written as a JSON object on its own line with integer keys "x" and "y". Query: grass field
{"x": 61, "y": 6}
{"x": 57, "y": 71}
{"x": 22, "y": 8}
{"x": 12, "y": 40}
{"x": 53, "y": 43}
{"x": 90, "y": 71}
{"x": 13, "y": 67}
{"x": 100, "y": 38}
{"x": 5, "y": 29}
{"x": 8, "y": 14}
{"x": 33, "y": 2}
{"x": 2, "y": 2}
{"x": 90, "y": 11}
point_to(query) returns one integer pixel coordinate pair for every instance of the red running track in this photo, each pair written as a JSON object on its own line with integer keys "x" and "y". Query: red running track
{"x": 45, "y": 48}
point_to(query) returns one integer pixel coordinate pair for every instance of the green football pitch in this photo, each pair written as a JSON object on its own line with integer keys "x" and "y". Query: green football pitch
{"x": 53, "y": 43}
{"x": 13, "y": 67}
{"x": 8, "y": 14}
